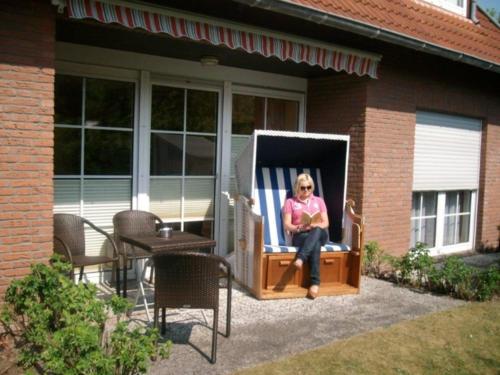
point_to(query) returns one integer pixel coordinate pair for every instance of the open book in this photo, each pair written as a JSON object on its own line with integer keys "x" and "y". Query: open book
{"x": 308, "y": 219}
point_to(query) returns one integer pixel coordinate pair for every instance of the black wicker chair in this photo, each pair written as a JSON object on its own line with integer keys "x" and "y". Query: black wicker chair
{"x": 133, "y": 222}
{"x": 69, "y": 241}
{"x": 191, "y": 280}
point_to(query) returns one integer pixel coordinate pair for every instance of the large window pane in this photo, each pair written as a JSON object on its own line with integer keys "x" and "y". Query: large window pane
{"x": 428, "y": 232}
{"x": 167, "y": 108}
{"x": 67, "y": 196}
{"x": 109, "y": 103}
{"x": 68, "y": 100}
{"x": 102, "y": 198}
{"x": 450, "y": 223}
{"x": 201, "y": 111}
{"x": 166, "y": 154}
{"x": 429, "y": 204}
{"x": 415, "y": 205}
{"x": 200, "y": 155}
{"x": 199, "y": 198}
{"x": 237, "y": 145}
{"x": 415, "y": 225}
{"x": 165, "y": 198}
{"x": 282, "y": 114}
{"x": 463, "y": 228}
{"x": 457, "y": 219}
{"x": 464, "y": 201}
{"x": 423, "y": 222}
{"x": 108, "y": 152}
{"x": 67, "y": 151}
{"x": 248, "y": 114}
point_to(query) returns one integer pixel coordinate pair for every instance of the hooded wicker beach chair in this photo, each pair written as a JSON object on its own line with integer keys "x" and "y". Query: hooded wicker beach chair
{"x": 191, "y": 280}
{"x": 265, "y": 173}
{"x": 69, "y": 241}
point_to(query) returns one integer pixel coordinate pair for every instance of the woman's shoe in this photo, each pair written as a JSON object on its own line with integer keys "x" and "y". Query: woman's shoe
{"x": 313, "y": 292}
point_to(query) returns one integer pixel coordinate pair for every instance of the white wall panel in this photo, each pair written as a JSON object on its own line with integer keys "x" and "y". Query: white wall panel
{"x": 447, "y": 152}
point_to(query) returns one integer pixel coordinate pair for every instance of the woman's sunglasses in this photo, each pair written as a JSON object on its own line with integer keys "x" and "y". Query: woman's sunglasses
{"x": 304, "y": 188}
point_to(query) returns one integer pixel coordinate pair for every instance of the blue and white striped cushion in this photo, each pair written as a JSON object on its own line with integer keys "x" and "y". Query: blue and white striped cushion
{"x": 329, "y": 247}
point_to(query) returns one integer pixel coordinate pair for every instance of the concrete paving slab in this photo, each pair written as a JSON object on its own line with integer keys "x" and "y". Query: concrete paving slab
{"x": 268, "y": 330}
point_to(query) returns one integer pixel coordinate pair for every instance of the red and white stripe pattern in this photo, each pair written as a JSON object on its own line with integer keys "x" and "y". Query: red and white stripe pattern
{"x": 264, "y": 45}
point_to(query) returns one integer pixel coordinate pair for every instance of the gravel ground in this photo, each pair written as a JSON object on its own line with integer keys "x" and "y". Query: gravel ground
{"x": 264, "y": 331}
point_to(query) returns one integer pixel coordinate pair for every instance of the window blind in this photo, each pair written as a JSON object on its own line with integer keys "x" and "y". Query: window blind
{"x": 447, "y": 152}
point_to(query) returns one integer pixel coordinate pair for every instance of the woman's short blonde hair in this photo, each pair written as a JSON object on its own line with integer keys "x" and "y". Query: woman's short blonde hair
{"x": 304, "y": 177}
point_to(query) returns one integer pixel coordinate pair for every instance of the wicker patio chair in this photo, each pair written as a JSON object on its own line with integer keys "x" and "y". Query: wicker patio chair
{"x": 69, "y": 241}
{"x": 191, "y": 280}
{"x": 133, "y": 222}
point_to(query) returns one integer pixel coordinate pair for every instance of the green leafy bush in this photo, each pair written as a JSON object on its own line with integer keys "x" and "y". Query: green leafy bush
{"x": 62, "y": 328}
{"x": 373, "y": 259}
{"x": 414, "y": 267}
{"x": 488, "y": 283}
{"x": 417, "y": 269}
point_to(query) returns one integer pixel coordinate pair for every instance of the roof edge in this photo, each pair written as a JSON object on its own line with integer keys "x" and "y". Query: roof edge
{"x": 370, "y": 31}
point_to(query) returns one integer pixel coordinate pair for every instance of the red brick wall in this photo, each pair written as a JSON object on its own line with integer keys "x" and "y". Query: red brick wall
{"x": 337, "y": 105}
{"x": 488, "y": 227}
{"x": 27, "y": 38}
{"x": 407, "y": 84}
{"x": 380, "y": 116}
{"x": 389, "y": 143}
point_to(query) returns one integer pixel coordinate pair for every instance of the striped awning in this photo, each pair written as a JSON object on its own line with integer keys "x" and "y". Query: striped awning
{"x": 265, "y": 43}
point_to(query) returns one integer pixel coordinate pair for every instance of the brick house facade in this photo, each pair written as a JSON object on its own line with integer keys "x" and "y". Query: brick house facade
{"x": 27, "y": 55}
{"x": 378, "y": 114}
{"x": 382, "y": 119}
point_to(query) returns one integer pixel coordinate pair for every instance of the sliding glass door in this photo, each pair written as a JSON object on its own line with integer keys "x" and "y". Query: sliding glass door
{"x": 183, "y": 157}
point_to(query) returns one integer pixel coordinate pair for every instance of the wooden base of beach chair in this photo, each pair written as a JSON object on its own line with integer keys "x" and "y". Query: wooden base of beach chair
{"x": 278, "y": 278}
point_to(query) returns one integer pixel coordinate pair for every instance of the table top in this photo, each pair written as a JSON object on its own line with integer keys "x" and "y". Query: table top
{"x": 178, "y": 241}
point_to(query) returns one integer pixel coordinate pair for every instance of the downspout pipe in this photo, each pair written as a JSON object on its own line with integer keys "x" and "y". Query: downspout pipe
{"x": 370, "y": 31}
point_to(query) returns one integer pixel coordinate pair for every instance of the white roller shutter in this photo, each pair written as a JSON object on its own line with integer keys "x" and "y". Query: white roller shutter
{"x": 447, "y": 152}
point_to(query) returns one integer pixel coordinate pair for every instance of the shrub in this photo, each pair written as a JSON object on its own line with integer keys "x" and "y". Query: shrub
{"x": 61, "y": 327}
{"x": 417, "y": 268}
{"x": 487, "y": 283}
{"x": 374, "y": 257}
{"x": 414, "y": 267}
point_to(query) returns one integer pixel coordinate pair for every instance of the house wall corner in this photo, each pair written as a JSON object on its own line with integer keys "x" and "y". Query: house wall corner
{"x": 26, "y": 135}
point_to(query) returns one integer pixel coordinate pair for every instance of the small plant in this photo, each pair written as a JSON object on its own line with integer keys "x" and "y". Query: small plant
{"x": 414, "y": 267}
{"x": 374, "y": 257}
{"x": 457, "y": 277}
{"x": 61, "y": 328}
{"x": 487, "y": 283}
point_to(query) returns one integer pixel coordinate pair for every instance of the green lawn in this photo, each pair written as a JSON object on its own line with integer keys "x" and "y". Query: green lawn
{"x": 465, "y": 340}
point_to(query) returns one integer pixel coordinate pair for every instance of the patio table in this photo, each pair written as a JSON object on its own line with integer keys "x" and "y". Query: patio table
{"x": 178, "y": 242}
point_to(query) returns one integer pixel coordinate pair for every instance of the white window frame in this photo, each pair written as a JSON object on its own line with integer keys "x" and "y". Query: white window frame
{"x": 112, "y": 74}
{"x": 421, "y": 218}
{"x": 461, "y": 10}
{"x": 439, "y": 248}
{"x": 146, "y": 132}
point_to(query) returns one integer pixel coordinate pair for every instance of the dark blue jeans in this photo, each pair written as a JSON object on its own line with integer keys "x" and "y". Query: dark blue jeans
{"x": 309, "y": 244}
